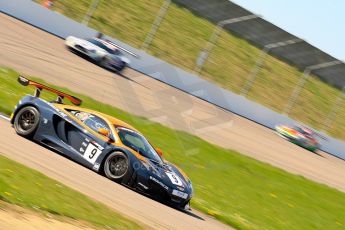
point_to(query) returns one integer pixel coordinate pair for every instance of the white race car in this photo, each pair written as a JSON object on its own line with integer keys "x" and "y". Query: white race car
{"x": 104, "y": 52}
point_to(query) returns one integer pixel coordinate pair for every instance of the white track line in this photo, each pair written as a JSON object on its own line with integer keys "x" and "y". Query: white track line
{"x": 4, "y": 117}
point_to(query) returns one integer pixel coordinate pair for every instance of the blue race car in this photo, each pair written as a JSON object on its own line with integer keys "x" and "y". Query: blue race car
{"x": 102, "y": 143}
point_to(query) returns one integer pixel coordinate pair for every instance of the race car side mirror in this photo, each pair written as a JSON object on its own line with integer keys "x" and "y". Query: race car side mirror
{"x": 159, "y": 151}
{"x": 103, "y": 131}
{"x": 110, "y": 140}
{"x": 106, "y": 133}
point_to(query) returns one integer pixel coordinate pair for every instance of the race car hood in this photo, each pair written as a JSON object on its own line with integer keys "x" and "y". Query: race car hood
{"x": 287, "y": 131}
{"x": 169, "y": 175}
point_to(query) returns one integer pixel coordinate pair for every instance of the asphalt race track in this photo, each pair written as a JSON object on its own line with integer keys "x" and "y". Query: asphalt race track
{"x": 35, "y": 52}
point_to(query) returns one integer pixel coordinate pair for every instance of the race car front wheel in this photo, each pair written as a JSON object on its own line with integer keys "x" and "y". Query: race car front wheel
{"x": 116, "y": 166}
{"x": 26, "y": 121}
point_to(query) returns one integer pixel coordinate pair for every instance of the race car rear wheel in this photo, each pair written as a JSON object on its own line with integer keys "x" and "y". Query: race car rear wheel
{"x": 116, "y": 166}
{"x": 103, "y": 62}
{"x": 122, "y": 67}
{"x": 26, "y": 121}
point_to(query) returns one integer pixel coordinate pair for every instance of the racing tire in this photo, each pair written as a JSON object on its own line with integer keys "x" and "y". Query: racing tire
{"x": 314, "y": 150}
{"x": 26, "y": 121}
{"x": 103, "y": 62}
{"x": 121, "y": 68}
{"x": 116, "y": 167}
{"x": 69, "y": 48}
{"x": 185, "y": 206}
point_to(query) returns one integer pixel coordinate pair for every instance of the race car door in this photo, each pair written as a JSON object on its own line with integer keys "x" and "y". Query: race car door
{"x": 83, "y": 136}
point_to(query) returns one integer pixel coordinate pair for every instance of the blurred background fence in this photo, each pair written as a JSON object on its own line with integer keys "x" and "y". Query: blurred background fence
{"x": 231, "y": 47}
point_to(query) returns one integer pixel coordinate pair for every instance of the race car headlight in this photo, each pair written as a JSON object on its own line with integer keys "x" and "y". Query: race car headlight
{"x": 124, "y": 59}
{"x": 191, "y": 187}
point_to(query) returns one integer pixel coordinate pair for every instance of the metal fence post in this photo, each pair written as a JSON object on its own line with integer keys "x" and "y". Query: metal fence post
{"x": 205, "y": 52}
{"x": 297, "y": 91}
{"x": 155, "y": 25}
{"x": 90, "y": 12}
{"x": 302, "y": 81}
{"x": 267, "y": 48}
{"x": 333, "y": 113}
{"x": 250, "y": 81}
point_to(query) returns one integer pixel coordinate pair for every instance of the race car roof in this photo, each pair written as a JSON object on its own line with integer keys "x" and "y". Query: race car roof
{"x": 114, "y": 121}
{"x": 107, "y": 43}
{"x": 118, "y": 122}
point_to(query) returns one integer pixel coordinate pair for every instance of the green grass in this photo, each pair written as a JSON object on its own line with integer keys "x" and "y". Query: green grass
{"x": 182, "y": 35}
{"x": 29, "y": 188}
{"x": 235, "y": 189}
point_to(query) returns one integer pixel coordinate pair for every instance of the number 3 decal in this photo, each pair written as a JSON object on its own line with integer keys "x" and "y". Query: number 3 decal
{"x": 174, "y": 178}
{"x": 91, "y": 153}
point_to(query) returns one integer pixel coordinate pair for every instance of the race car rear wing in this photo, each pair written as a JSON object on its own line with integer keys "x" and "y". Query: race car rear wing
{"x": 39, "y": 87}
{"x": 315, "y": 132}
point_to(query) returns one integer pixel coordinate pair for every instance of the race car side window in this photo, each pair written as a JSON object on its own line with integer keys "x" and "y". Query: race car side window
{"x": 117, "y": 52}
{"x": 100, "y": 44}
{"x": 90, "y": 120}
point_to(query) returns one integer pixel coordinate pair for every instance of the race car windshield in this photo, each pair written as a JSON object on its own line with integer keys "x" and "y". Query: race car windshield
{"x": 100, "y": 44}
{"x": 300, "y": 130}
{"x": 138, "y": 143}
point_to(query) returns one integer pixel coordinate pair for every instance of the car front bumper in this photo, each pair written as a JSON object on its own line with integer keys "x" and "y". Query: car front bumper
{"x": 157, "y": 189}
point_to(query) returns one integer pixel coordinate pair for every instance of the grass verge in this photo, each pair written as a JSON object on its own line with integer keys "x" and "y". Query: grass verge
{"x": 236, "y": 189}
{"x": 29, "y": 188}
{"x": 229, "y": 64}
